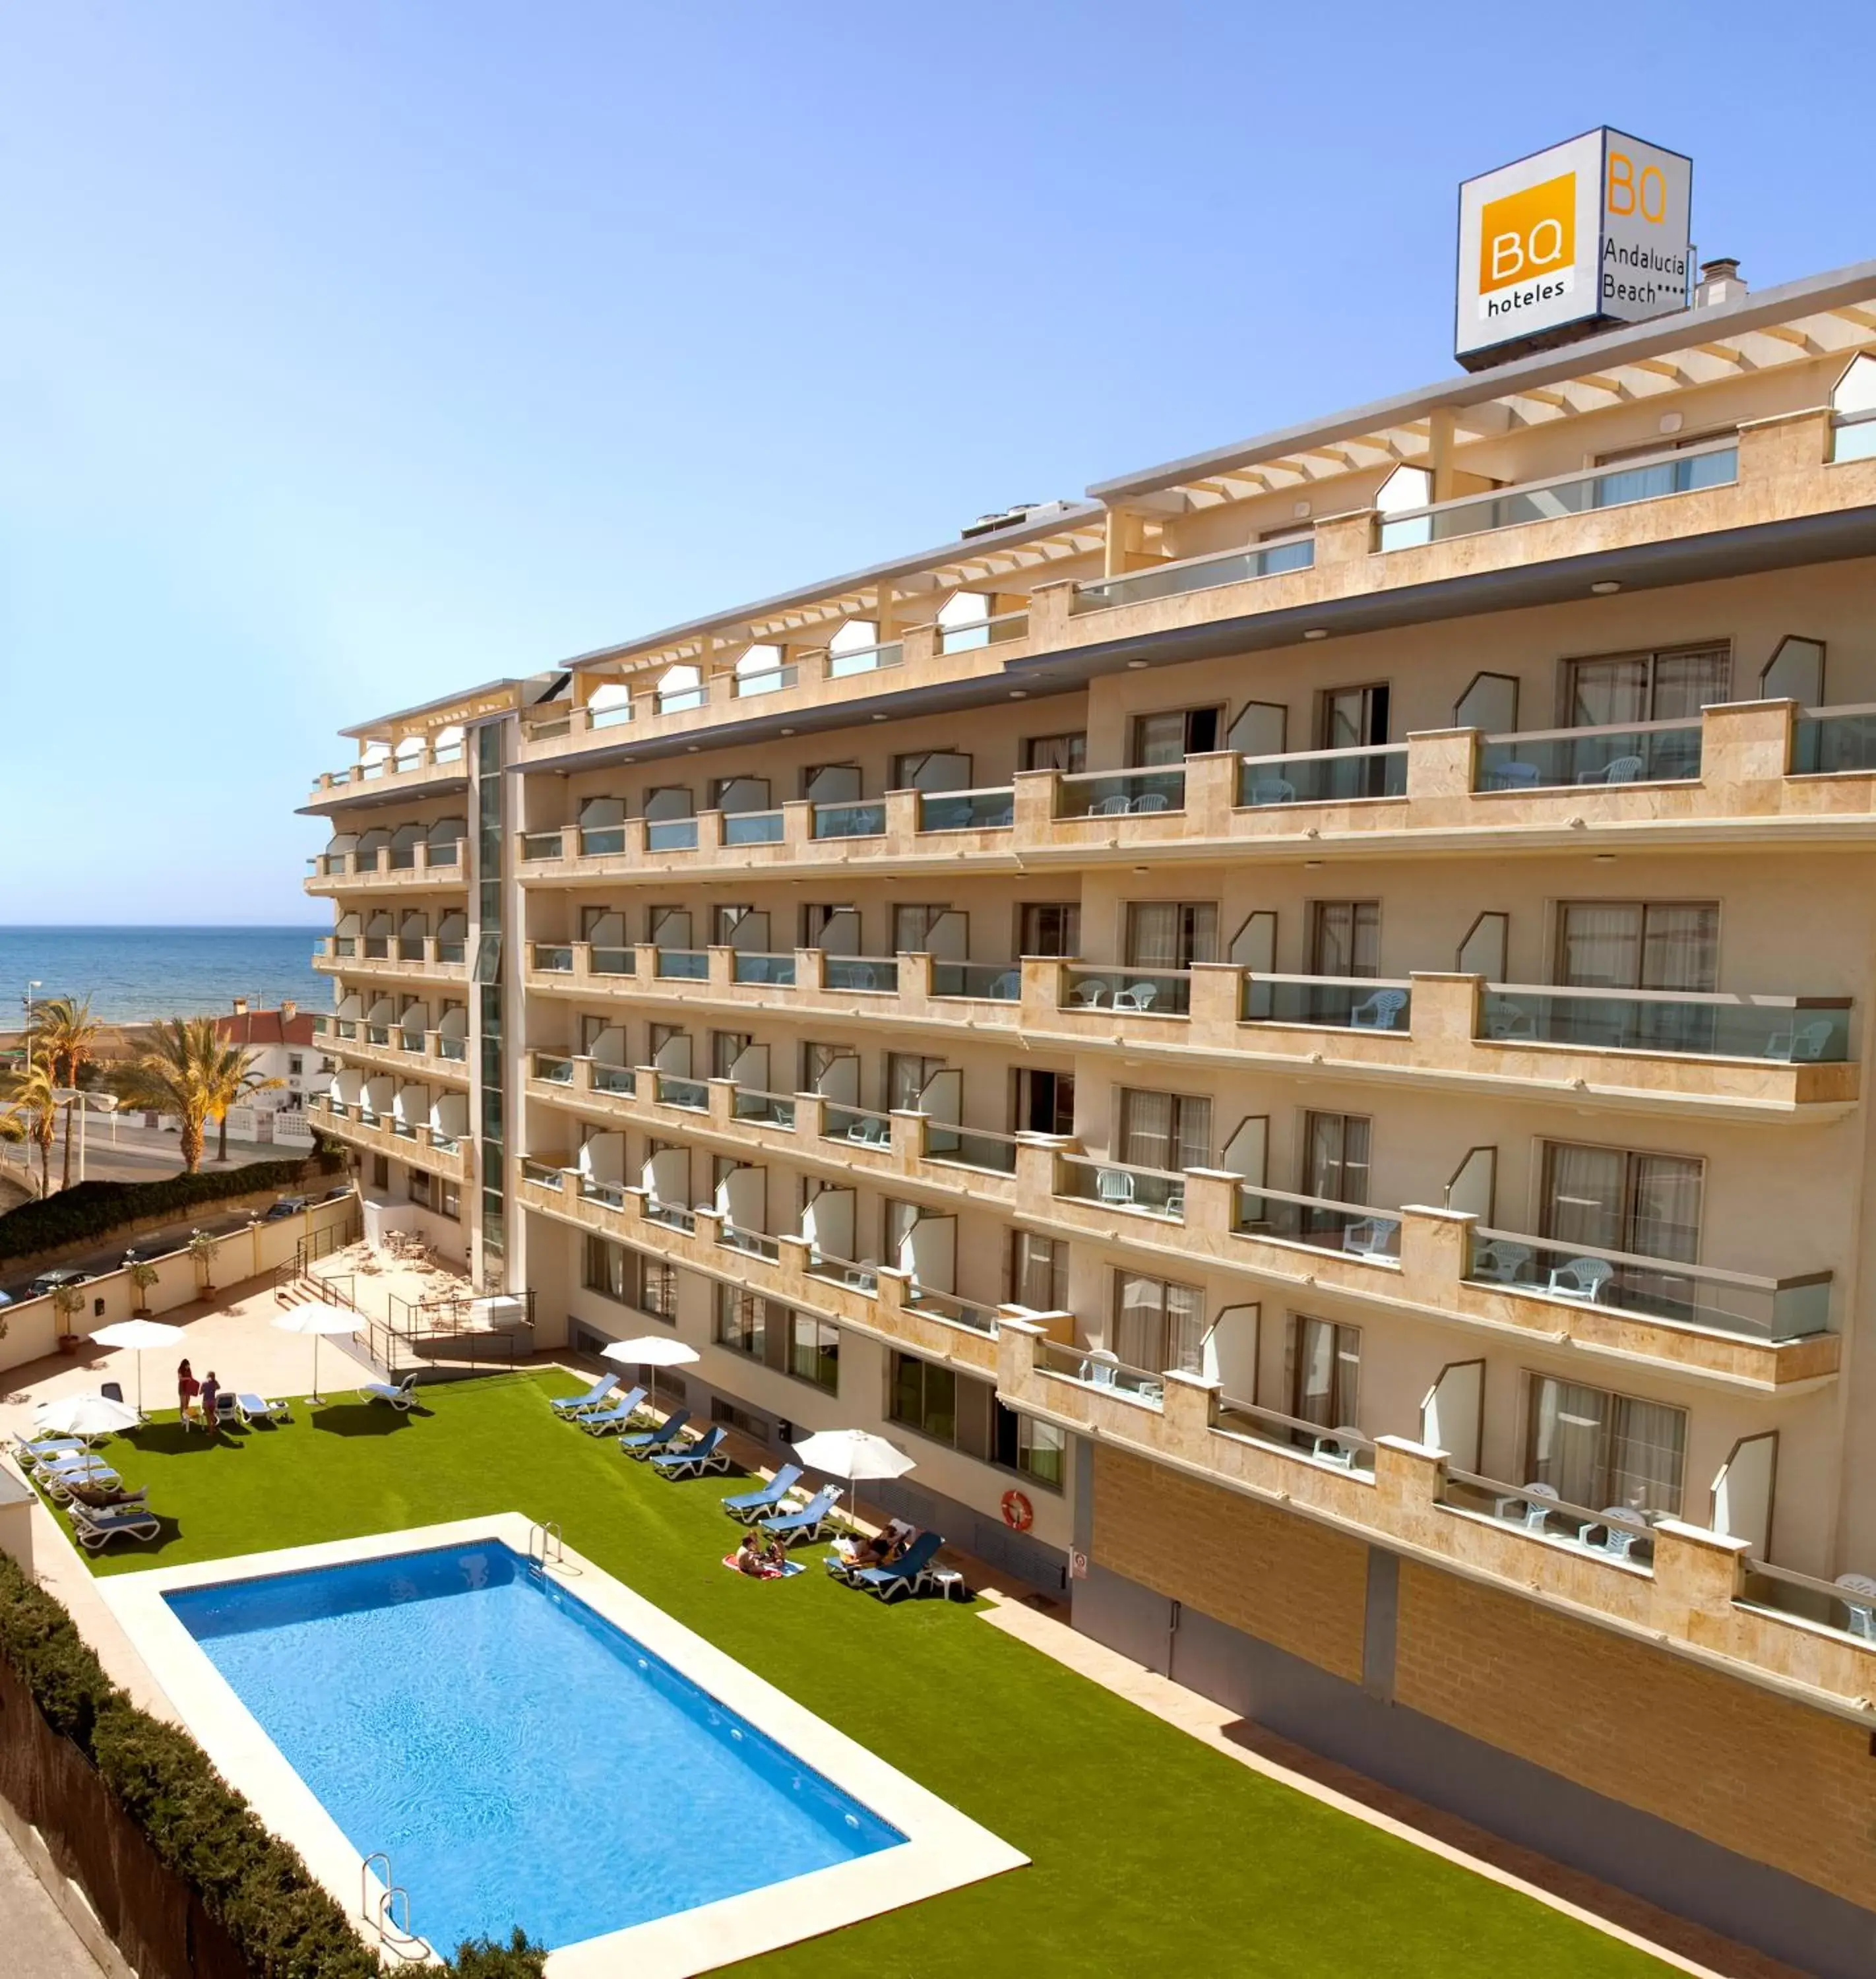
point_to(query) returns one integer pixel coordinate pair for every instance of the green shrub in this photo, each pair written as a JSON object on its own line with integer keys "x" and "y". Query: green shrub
{"x": 90, "y": 1209}
{"x": 285, "y": 1925}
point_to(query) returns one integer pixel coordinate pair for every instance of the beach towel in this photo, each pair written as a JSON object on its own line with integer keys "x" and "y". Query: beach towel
{"x": 786, "y": 1572}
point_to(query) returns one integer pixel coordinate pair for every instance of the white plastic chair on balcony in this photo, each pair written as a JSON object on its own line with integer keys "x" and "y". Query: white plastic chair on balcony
{"x": 1859, "y": 1592}
{"x": 1532, "y": 1507}
{"x": 1802, "y": 1045}
{"x": 1621, "y": 1526}
{"x": 1135, "y": 996}
{"x": 1150, "y": 801}
{"x": 862, "y": 976}
{"x": 1505, "y": 1018}
{"x": 1511, "y": 777}
{"x": 1007, "y": 987}
{"x": 1622, "y": 769}
{"x": 1109, "y": 808}
{"x": 1114, "y": 1186}
{"x": 1581, "y": 1279}
{"x": 1498, "y": 1262}
{"x": 1340, "y": 1448}
{"x": 1368, "y": 1239}
{"x": 871, "y": 1133}
{"x": 1174, "y": 1204}
{"x": 1272, "y": 790}
{"x": 1087, "y": 995}
{"x": 1379, "y": 1012}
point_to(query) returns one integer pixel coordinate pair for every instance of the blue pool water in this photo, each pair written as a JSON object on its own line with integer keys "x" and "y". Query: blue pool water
{"x": 520, "y": 1759}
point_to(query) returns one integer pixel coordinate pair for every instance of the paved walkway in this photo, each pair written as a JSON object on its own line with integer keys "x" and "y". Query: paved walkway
{"x": 37, "y": 1939}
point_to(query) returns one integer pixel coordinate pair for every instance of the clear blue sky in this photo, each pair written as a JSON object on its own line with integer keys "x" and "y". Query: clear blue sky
{"x": 355, "y": 352}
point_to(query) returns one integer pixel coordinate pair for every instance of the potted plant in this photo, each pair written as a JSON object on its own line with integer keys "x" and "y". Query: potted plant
{"x": 142, "y": 1274}
{"x": 67, "y": 1302}
{"x": 202, "y": 1247}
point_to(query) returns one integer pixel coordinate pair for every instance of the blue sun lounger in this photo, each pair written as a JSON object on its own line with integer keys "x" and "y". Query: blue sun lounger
{"x": 95, "y": 1526}
{"x": 747, "y": 1505}
{"x": 906, "y": 1576}
{"x": 610, "y": 1421}
{"x": 708, "y": 1454}
{"x": 648, "y": 1442}
{"x": 805, "y": 1524}
{"x": 595, "y": 1398}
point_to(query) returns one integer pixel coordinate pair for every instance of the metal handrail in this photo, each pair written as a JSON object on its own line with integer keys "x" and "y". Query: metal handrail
{"x": 1718, "y": 999}
{"x": 1673, "y": 1268}
{"x": 1602, "y": 729}
{"x": 1728, "y": 443}
{"x": 1311, "y": 755}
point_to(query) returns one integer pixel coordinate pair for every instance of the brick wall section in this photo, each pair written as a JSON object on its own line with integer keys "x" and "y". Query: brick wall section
{"x": 1768, "y": 1779}
{"x": 1286, "y": 1580}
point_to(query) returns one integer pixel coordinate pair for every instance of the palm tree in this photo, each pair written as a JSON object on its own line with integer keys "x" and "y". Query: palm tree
{"x": 65, "y": 1035}
{"x": 178, "y": 1071}
{"x": 32, "y": 1112}
{"x": 235, "y": 1078}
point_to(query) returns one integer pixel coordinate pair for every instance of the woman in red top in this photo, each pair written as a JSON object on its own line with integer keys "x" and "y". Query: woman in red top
{"x": 186, "y": 1388}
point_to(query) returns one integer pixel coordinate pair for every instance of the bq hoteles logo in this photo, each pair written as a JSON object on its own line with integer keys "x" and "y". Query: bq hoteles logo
{"x": 1527, "y": 249}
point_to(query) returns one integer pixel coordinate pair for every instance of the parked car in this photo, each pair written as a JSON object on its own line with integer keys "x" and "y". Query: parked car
{"x": 337, "y": 1194}
{"x": 50, "y": 1281}
{"x": 285, "y": 1206}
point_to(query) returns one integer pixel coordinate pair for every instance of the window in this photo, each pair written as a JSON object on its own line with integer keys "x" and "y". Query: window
{"x": 1171, "y": 934}
{"x": 818, "y": 917}
{"x": 742, "y": 1322}
{"x": 1164, "y": 1130}
{"x": 818, "y": 1061}
{"x": 1599, "y": 1449}
{"x": 420, "y": 1187}
{"x": 1037, "y": 1449}
{"x": 1673, "y": 685}
{"x": 295, "y": 1065}
{"x": 914, "y": 926}
{"x": 725, "y": 920}
{"x": 1069, "y": 753}
{"x": 1325, "y": 1385}
{"x": 1158, "y": 1325}
{"x": 1172, "y": 735}
{"x": 630, "y": 1277}
{"x": 907, "y": 1074}
{"x": 1352, "y": 717}
{"x": 924, "y": 1397}
{"x": 604, "y": 1269}
{"x": 1335, "y": 1157}
{"x": 1045, "y": 1102}
{"x": 1345, "y": 938}
{"x": 449, "y": 1201}
{"x": 814, "y": 1351}
{"x": 1639, "y": 945}
{"x": 1612, "y": 1199}
{"x": 726, "y": 1047}
{"x": 380, "y": 1171}
{"x": 1048, "y": 927}
{"x": 1038, "y": 1272}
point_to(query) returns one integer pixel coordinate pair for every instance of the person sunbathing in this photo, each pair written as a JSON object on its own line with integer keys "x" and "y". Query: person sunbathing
{"x": 751, "y": 1558}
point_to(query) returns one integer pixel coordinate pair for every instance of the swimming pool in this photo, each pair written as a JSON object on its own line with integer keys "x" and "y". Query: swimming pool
{"x": 548, "y": 1748}
{"x": 488, "y": 1722}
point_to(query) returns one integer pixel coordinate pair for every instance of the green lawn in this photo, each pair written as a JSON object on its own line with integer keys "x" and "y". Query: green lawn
{"x": 1151, "y": 1851}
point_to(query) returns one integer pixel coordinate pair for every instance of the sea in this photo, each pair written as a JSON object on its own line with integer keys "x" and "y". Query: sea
{"x": 135, "y": 972}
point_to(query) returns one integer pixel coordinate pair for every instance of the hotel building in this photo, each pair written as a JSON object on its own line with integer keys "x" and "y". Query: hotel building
{"x": 1292, "y": 1029}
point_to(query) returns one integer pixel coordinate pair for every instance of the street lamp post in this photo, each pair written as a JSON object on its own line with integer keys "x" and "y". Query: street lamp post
{"x": 87, "y": 1103}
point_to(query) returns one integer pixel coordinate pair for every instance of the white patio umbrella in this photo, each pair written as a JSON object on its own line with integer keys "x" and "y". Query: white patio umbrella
{"x": 650, "y": 1350}
{"x": 322, "y": 1322}
{"x": 86, "y": 1416}
{"x": 854, "y": 1454}
{"x": 136, "y": 1334}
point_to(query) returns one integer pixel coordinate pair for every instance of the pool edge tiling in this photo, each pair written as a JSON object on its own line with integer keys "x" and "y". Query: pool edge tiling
{"x": 943, "y": 1850}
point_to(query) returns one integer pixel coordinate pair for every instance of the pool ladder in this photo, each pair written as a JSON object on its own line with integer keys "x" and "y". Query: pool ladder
{"x": 548, "y": 1532}
{"x": 394, "y": 1937}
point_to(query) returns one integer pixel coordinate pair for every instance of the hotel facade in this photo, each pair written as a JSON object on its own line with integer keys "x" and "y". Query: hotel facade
{"x": 1290, "y": 1030}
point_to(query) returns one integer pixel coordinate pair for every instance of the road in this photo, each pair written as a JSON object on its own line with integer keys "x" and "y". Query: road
{"x": 109, "y": 1253}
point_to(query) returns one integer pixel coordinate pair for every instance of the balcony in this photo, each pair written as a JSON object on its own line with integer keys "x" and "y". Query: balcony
{"x": 1316, "y": 1222}
{"x": 418, "y": 1146}
{"x": 1114, "y": 1185}
{"x": 415, "y": 768}
{"x": 967, "y": 810}
{"x": 857, "y": 819}
{"x": 1205, "y": 573}
{"x": 1648, "y": 752}
{"x": 1671, "y": 1582}
{"x": 1120, "y": 793}
{"x": 406, "y": 960}
{"x": 421, "y": 868}
{"x": 393, "y": 1048}
{"x": 1000, "y": 631}
{"x": 1329, "y": 1002}
{"x": 1780, "y": 1030}
{"x": 1322, "y": 776}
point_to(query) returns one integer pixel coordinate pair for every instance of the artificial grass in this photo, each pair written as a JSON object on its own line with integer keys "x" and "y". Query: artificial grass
{"x": 1149, "y": 1850}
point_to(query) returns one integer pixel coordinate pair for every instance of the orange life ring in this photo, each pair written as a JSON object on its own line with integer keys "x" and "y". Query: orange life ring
{"x": 1019, "y": 1513}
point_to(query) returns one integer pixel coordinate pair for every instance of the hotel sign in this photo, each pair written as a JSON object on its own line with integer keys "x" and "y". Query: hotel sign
{"x": 1585, "y": 235}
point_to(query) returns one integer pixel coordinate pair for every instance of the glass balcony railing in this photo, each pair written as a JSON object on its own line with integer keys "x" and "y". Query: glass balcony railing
{"x": 613, "y": 714}
{"x": 378, "y": 1034}
{"x": 1095, "y": 1367}
{"x": 410, "y": 948}
{"x": 553, "y": 1070}
{"x": 861, "y": 971}
{"x": 1853, "y": 436}
{"x": 684, "y": 965}
{"x": 979, "y": 982}
{"x": 771, "y": 680}
{"x": 763, "y": 1109}
{"x": 612, "y": 961}
{"x": 752, "y": 827}
{"x": 1646, "y": 752}
{"x": 445, "y": 853}
{"x": 671, "y": 834}
{"x": 1342, "y": 1446}
{"x": 546, "y": 1173}
{"x": 601, "y": 841}
{"x": 775, "y": 970}
{"x": 542, "y": 844}
{"x": 672, "y": 1089}
{"x": 341, "y": 945}
{"x": 456, "y": 1049}
{"x": 1801, "y": 1030}
{"x": 673, "y": 1216}
{"x": 948, "y": 1306}
{"x": 967, "y": 811}
{"x": 377, "y": 948}
{"x": 1713, "y": 466}
{"x": 1616, "y": 1533}
{"x": 403, "y": 858}
{"x": 1339, "y": 1002}
{"x": 678, "y": 700}
{"x": 1835, "y": 742}
{"x": 613, "y": 1193}
{"x": 1120, "y": 793}
{"x": 843, "y": 1271}
{"x": 1847, "y": 1605}
{"x": 840, "y": 1122}
{"x": 551, "y": 958}
{"x": 867, "y": 660}
{"x": 620, "y": 1078}
{"x": 865, "y": 820}
{"x": 1323, "y": 776}
{"x": 970, "y": 1147}
{"x": 1146, "y": 1191}
{"x": 1317, "y": 1221}
{"x": 752, "y": 1243}
{"x": 450, "y": 954}
{"x": 1164, "y": 993}
{"x": 1683, "y": 1294}
{"x": 984, "y": 632}
{"x": 1195, "y": 573}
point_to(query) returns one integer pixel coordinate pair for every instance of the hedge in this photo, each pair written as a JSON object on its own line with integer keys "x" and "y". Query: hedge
{"x": 285, "y": 1925}
{"x": 95, "y": 1209}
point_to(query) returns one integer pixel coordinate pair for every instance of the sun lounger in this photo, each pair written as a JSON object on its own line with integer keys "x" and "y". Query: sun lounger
{"x": 258, "y": 1409}
{"x": 95, "y": 1526}
{"x": 706, "y": 1454}
{"x": 747, "y": 1505}
{"x": 647, "y": 1442}
{"x": 228, "y": 1411}
{"x": 96, "y": 1477}
{"x": 807, "y": 1523}
{"x": 613, "y": 1421}
{"x": 402, "y": 1397}
{"x": 34, "y": 1454}
{"x": 595, "y": 1398}
{"x": 849, "y": 1555}
{"x": 906, "y": 1576}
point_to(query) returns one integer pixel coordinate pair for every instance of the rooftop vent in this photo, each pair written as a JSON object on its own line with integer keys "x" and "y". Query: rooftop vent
{"x": 1720, "y": 281}
{"x": 1006, "y": 519}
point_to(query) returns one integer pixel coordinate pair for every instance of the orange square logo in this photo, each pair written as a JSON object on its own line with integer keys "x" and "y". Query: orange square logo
{"x": 1528, "y": 233}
